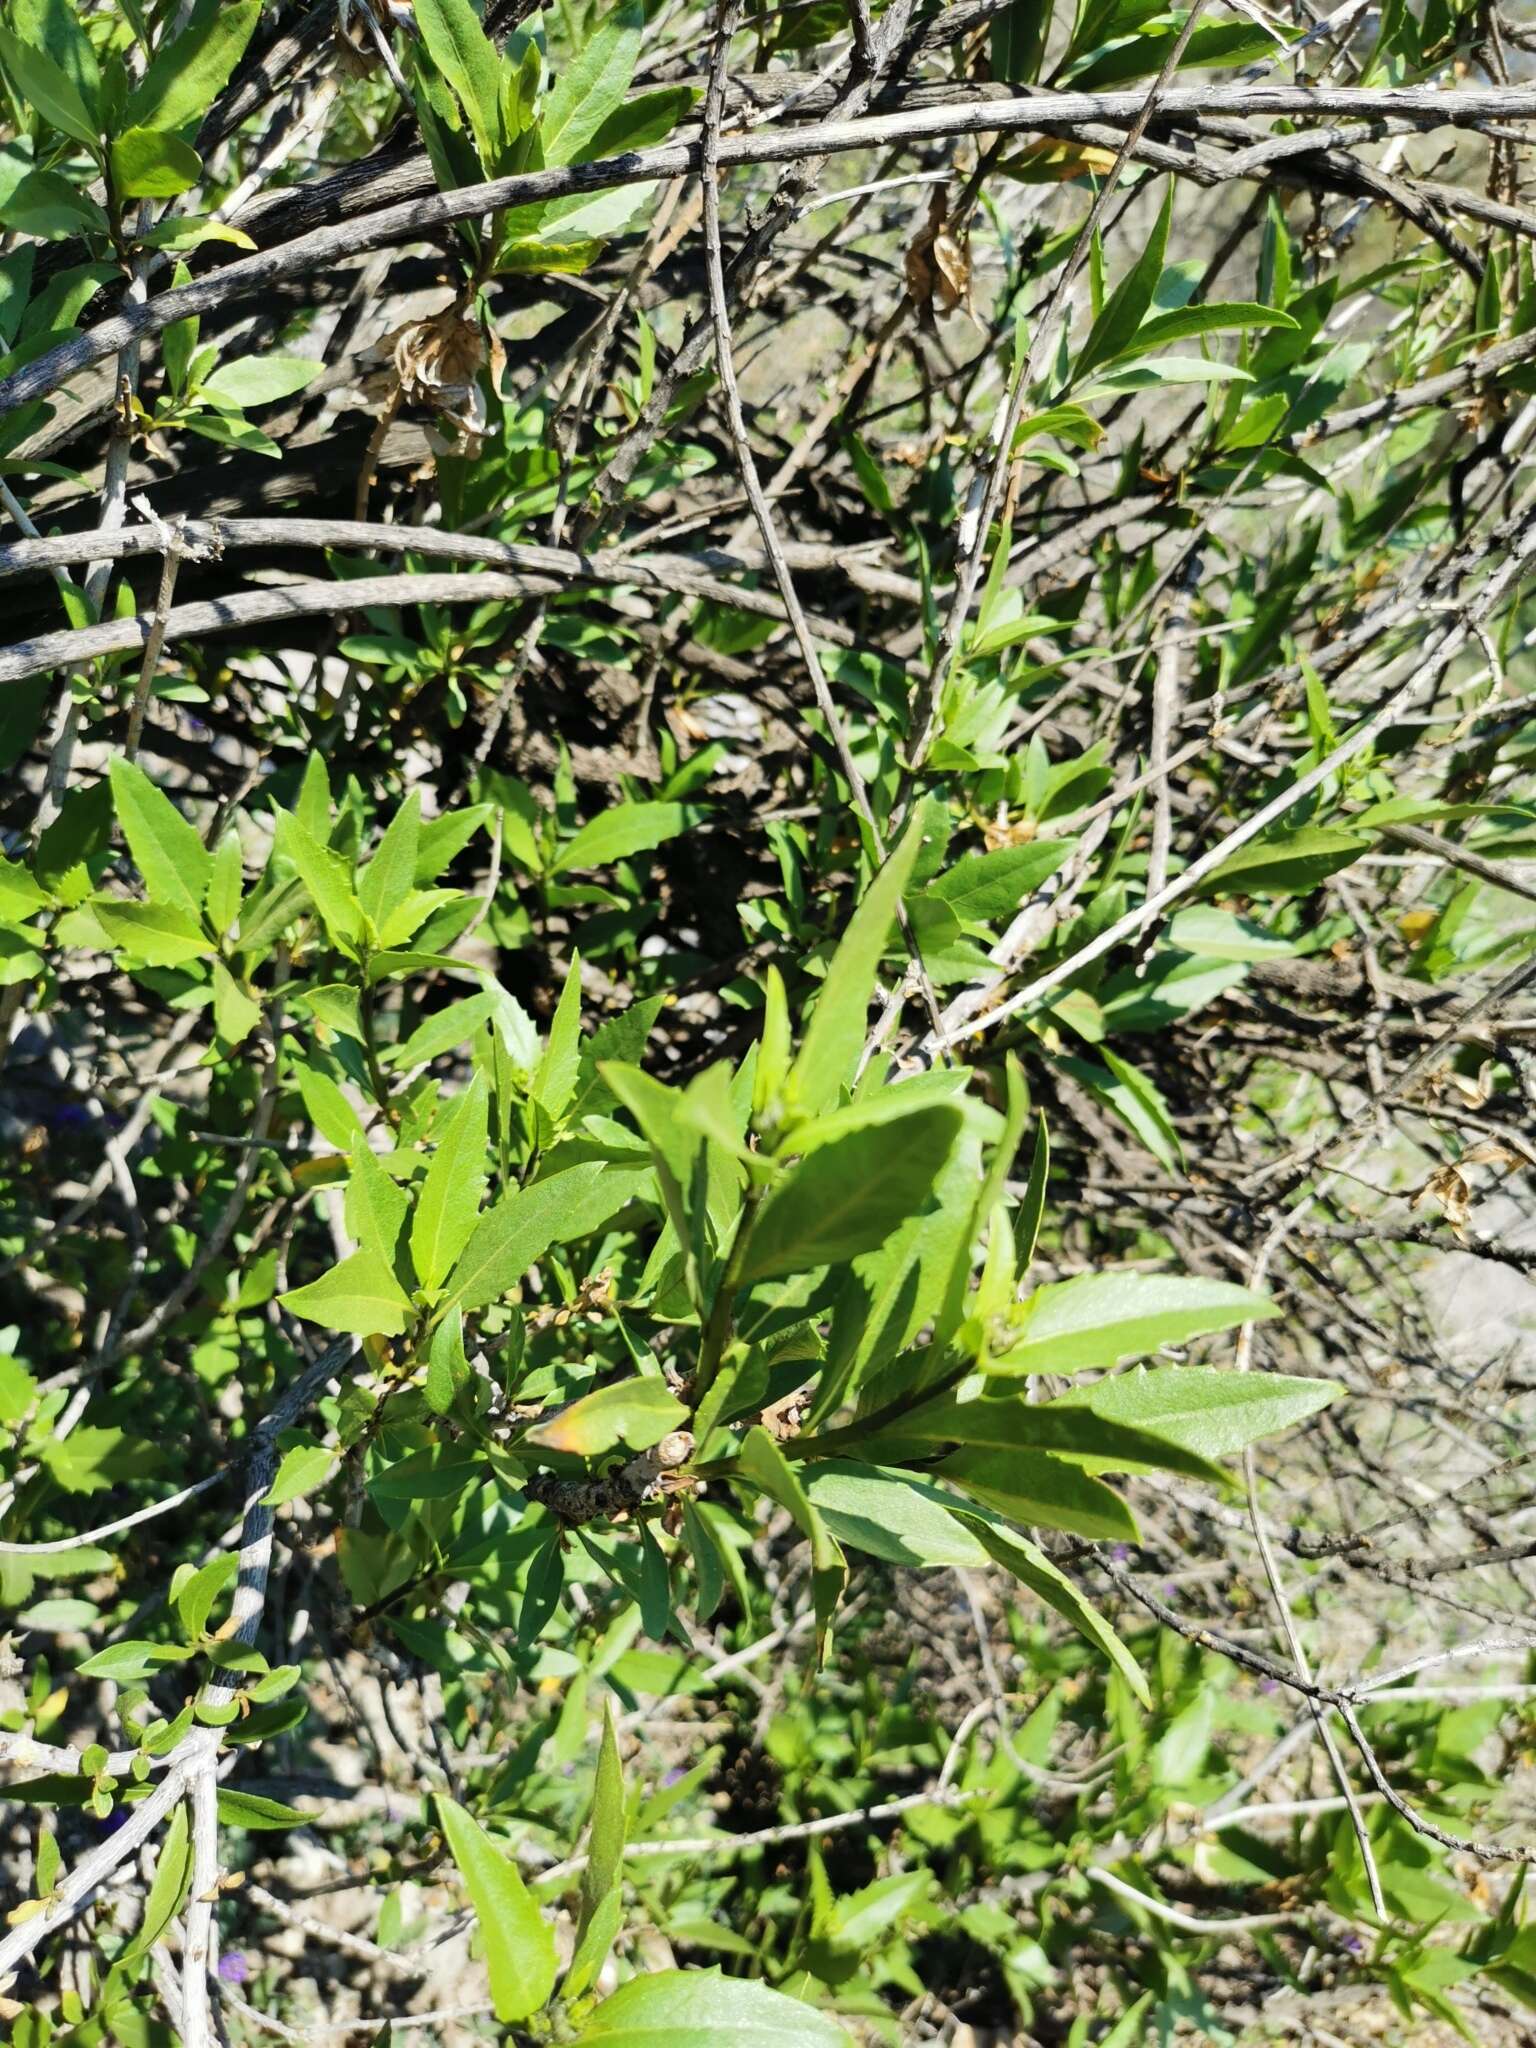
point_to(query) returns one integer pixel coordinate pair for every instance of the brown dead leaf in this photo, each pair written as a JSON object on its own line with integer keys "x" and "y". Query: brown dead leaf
{"x": 938, "y": 264}
{"x": 437, "y": 363}
{"x": 1447, "y": 1186}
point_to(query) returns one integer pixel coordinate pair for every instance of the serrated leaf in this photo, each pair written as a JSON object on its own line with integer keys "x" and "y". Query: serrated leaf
{"x": 325, "y": 875}
{"x": 448, "y": 1367}
{"x": 463, "y": 53}
{"x": 626, "y": 829}
{"x": 523, "y": 1225}
{"x": 390, "y": 876}
{"x": 591, "y": 88}
{"x": 167, "y": 851}
{"x": 985, "y": 887}
{"x": 156, "y": 933}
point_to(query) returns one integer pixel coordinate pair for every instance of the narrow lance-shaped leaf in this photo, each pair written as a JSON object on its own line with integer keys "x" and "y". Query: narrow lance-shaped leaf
{"x": 1098, "y": 1319}
{"x": 448, "y": 1207}
{"x": 519, "y": 1944}
{"x": 167, "y": 851}
{"x": 835, "y": 1036}
{"x": 592, "y": 86}
{"x": 190, "y": 70}
{"x": 465, "y": 56}
{"x": 601, "y": 1881}
{"x": 1128, "y": 305}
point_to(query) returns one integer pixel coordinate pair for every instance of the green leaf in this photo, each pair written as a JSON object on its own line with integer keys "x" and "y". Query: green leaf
{"x": 194, "y": 1597}
{"x": 235, "y": 1013}
{"x": 1026, "y": 1222}
{"x": 258, "y": 1814}
{"x": 375, "y": 1207}
{"x": 1135, "y": 1099}
{"x": 626, "y": 829}
{"x": 683, "y": 1158}
{"x": 147, "y": 165}
{"x": 44, "y": 86}
{"x": 988, "y": 886}
{"x": 1124, "y": 312}
{"x": 991, "y": 1415}
{"x": 132, "y": 1662}
{"x": 1030, "y": 1565}
{"x": 463, "y": 53}
{"x": 554, "y": 1080}
{"x": 702, "y": 2009}
{"x": 361, "y": 1296}
{"x": 602, "y": 1880}
{"x": 764, "y": 1467}
{"x": 55, "y": 27}
{"x": 1098, "y": 1319}
{"x": 390, "y": 876}
{"x": 152, "y": 932}
{"x": 835, "y": 1038}
{"x": 636, "y": 1412}
{"x": 325, "y": 875}
{"x": 302, "y": 1469}
{"x": 1209, "y": 318}
{"x": 1018, "y": 36}
{"x": 442, "y": 1032}
{"x": 167, "y": 851}
{"x": 890, "y": 1514}
{"x": 49, "y": 206}
{"x": 849, "y": 1196}
{"x": 261, "y": 380}
{"x": 189, "y": 73}
{"x": 523, "y": 1225}
{"x": 591, "y": 88}
{"x": 448, "y": 1367}
{"x": 642, "y": 121}
{"x": 916, "y": 1277}
{"x": 1287, "y": 863}
{"x": 448, "y": 1207}
{"x": 1042, "y": 1491}
{"x": 173, "y": 1874}
{"x": 1201, "y": 1408}
{"x": 519, "y": 1946}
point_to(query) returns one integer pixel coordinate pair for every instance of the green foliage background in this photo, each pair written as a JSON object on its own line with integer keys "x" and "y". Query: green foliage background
{"x": 713, "y": 1205}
